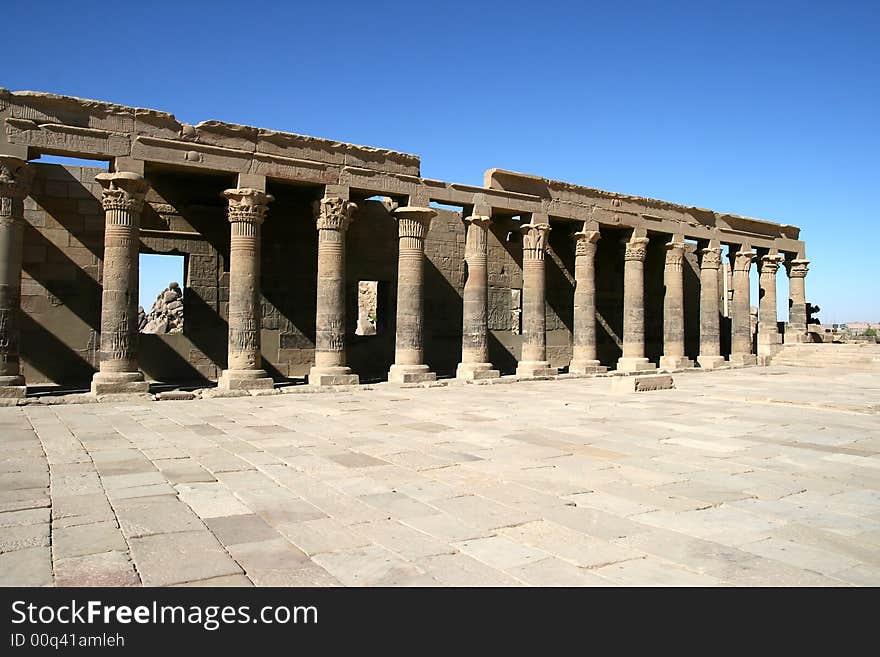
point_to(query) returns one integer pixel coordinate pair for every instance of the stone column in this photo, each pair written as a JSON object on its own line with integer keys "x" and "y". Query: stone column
{"x": 412, "y": 228}
{"x": 741, "y": 319}
{"x": 15, "y": 178}
{"x": 710, "y": 310}
{"x": 796, "y": 329}
{"x": 673, "y": 357}
{"x": 247, "y": 209}
{"x": 333, "y": 215}
{"x": 633, "y": 358}
{"x": 769, "y": 339}
{"x": 583, "y": 352}
{"x": 474, "y": 341}
{"x": 534, "y": 361}
{"x": 123, "y": 200}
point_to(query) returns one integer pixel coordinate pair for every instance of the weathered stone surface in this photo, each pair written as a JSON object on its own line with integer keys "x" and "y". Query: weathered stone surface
{"x": 641, "y": 383}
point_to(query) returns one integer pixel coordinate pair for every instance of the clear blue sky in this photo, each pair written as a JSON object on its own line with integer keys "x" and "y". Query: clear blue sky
{"x": 768, "y": 109}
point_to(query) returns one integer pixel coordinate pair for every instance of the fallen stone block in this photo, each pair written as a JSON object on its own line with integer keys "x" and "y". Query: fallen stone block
{"x": 642, "y": 383}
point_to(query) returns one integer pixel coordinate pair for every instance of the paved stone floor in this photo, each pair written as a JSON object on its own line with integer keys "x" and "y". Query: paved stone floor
{"x": 763, "y": 476}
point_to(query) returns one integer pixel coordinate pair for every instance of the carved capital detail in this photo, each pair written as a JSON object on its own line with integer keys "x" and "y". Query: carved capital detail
{"x": 123, "y": 190}
{"x": 636, "y": 249}
{"x": 413, "y": 222}
{"x": 711, "y": 258}
{"x": 770, "y": 264}
{"x": 585, "y": 242}
{"x": 247, "y": 205}
{"x": 15, "y": 178}
{"x": 534, "y": 240}
{"x": 333, "y": 213}
{"x": 476, "y": 235}
{"x": 674, "y": 256}
{"x": 798, "y": 268}
{"x": 742, "y": 261}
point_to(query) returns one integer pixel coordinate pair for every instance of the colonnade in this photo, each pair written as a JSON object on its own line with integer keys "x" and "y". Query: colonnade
{"x": 123, "y": 199}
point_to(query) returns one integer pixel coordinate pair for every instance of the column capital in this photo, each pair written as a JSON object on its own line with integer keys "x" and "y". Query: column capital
{"x": 480, "y": 220}
{"x": 15, "y": 177}
{"x": 674, "y": 255}
{"x": 333, "y": 213}
{"x": 798, "y": 268}
{"x": 123, "y": 190}
{"x": 534, "y": 240}
{"x": 636, "y": 249}
{"x": 585, "y": 242}
{"x": 247, "y": 205}
{"x": 742, "y": 260}
{"x": 770, "y": 263}
{"x": 711, "y": 258}
{"x": 414, "y": 221}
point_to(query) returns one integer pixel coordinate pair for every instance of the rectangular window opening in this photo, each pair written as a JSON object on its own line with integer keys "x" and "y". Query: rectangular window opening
{"x": 160, "y": 295}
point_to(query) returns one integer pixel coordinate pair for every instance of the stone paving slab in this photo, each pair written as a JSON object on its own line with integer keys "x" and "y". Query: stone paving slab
{"x": 759, "y": 476}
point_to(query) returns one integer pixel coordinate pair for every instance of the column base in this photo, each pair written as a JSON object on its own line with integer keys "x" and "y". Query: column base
{"x": 675, "y": 363}
{"x": 12, "y": 387}
{"x": 245, "y": 380}
{"x": 110, "y": 383}
{"x": 475, "y": 371}
{"x": 743, "y": 360}
{"x": 533, "y": 369}
{"x": 586, "y": 367}
{"x": 795, "y": 334}
{"x": 635, "y": 365}
{"x": 770, "y": 345}
{"x": 332, "y": 376}
{"x": 410, "y": 374}
{"x": 711, "y": 362}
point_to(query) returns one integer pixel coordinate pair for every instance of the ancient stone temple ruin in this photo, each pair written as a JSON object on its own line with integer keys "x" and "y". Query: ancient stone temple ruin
{"x": 523, "y": 275}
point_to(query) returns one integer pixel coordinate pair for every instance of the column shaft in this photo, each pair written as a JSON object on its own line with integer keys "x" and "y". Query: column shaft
{"x": 710, "y": 310}
{"x": 583, "y": 351}
{"x": 333, "y": 215}
{"x": 796, "y": 329}
{"x": 15, "y": 180}
{"x": 475, "y": 302}
{"x": 633, "y": 358}
{"x": 534, "y": 346}
{"x": 247, "y": 209}
{"x": 741, "y": 319}
{"x": 673, "y": 309}
{"x": 412, "y": 226}
{"x": 123, "y": 199}
{"x": 769, "y": 339}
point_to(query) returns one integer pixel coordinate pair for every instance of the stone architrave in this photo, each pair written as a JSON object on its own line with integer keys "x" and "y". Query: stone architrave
{"x": 15, "y": 178}
{"x": 332, "y": 215}
{"x": 475, "y": 302}
{"x": 710, "y": 311}
{"x": 673, "y": 357}
{"x": 633, "y": 358}
{"x": 534, "y": 361}
{"x": 769, "y": 338}
{"x": 123, "y": 200}
{"x": 796, "y": 329}
{"x": 741, "y": 319}
{"x": 413, "y": 223}
{"x": 583, "y": 356}
{"x": 247, "y": 210}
